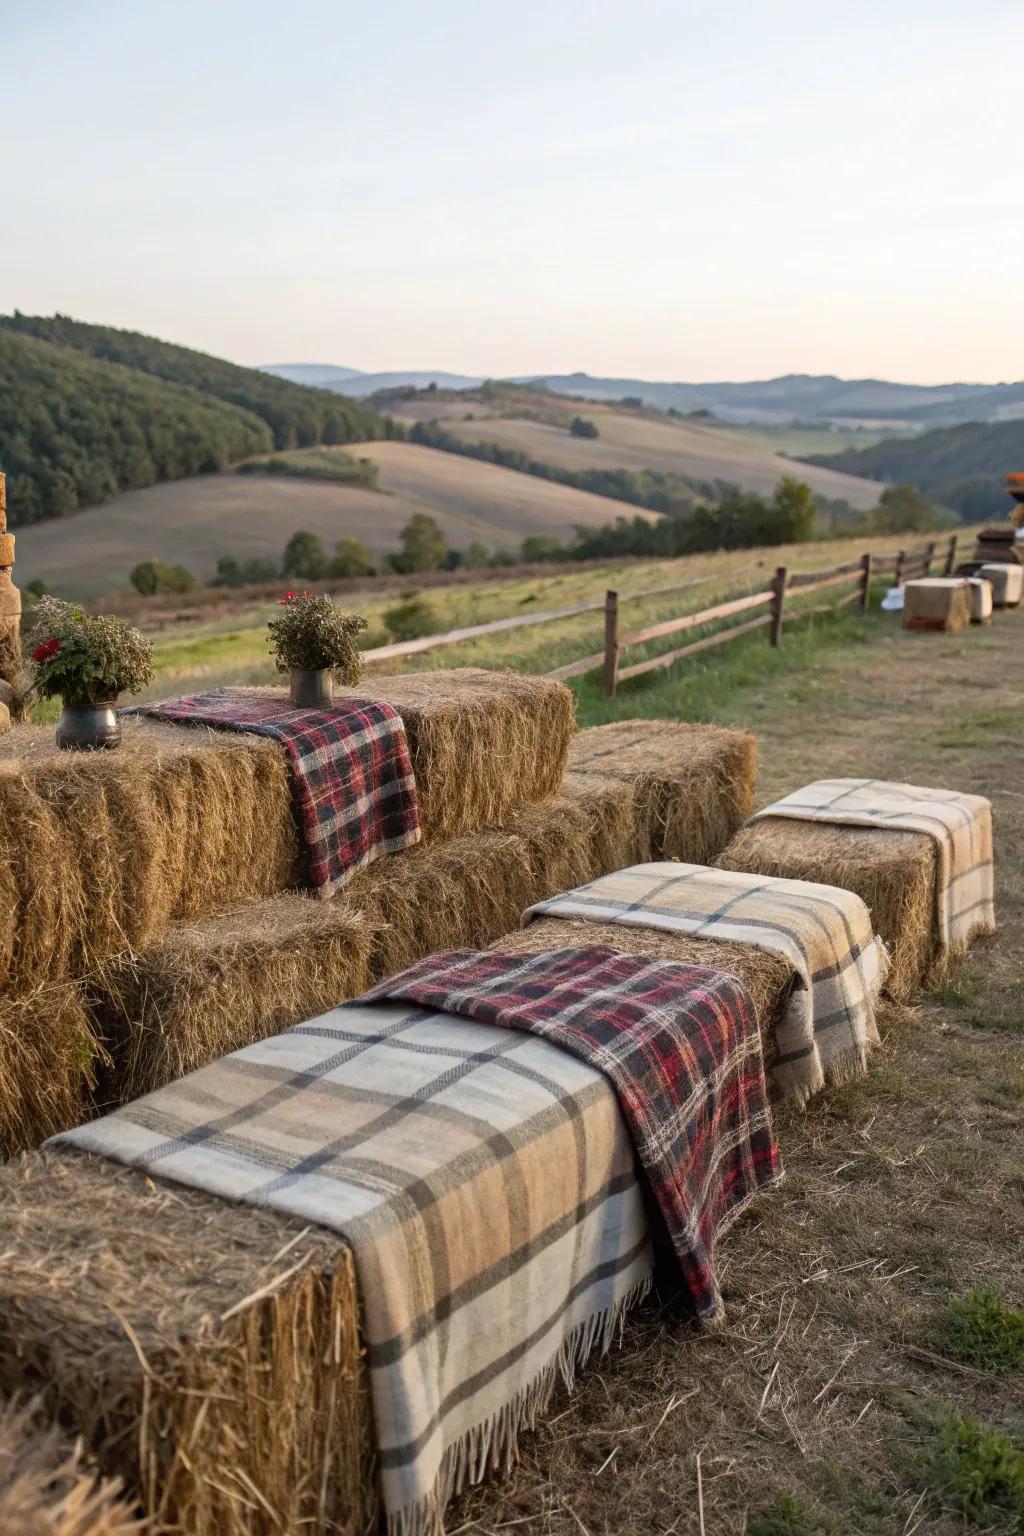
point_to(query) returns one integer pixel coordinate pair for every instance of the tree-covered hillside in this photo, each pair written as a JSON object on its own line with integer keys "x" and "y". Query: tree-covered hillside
{"x": 963, "y": 467}
{"x": 74, "y": 430}
{"x": 298, "y": 416}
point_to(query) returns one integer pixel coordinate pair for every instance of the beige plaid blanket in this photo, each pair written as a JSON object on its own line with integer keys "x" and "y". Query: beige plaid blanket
{"x": 961, "y": 826}
{"x": 839, "y": 966}
{"x": 485, "y": 1182}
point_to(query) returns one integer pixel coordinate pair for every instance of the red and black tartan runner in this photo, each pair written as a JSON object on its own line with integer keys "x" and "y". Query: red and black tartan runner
{"x": 352, "y": 775}
{"x": 681, "y": 1048}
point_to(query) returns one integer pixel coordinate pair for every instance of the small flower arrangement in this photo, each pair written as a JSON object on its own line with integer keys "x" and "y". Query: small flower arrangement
{"x": 86, "y": 660}
{"x": 313, "y": 634}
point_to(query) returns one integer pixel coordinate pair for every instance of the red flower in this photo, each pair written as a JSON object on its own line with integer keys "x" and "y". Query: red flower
{"x": 289, "y": 597}
{"x": 45, "y": 650}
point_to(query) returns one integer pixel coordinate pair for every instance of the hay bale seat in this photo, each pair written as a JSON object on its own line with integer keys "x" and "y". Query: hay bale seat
{"x": 46, "y": 1490}
{"x": 937, "y": 603}
{"x": 483, "y": 744}
{"x": 208, "y": 1353}
{"x": 767, "y": 976}
{"x": 50, "y": 1054}
{"x": 893, "y": 872}
{"x": 1007, "y": 583}
{"x": 694, "y": 783}
{"x": 204, "y": 989}
{"x": 99, "y": 851}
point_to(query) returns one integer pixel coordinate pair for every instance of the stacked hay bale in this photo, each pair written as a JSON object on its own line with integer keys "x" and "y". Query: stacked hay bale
{"x": 694, "y": 784}
{"x": 937, "y": 603}
{"x": 10, "y": 621}
{"x": 1007, "y": 582}
{"x": 893, "y": 872}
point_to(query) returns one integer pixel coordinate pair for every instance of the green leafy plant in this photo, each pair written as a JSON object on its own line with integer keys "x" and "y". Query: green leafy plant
{"x": 981, "y": 1330}
{"x": 788, "y": 1516}
{"x": 313, "y": 633}
{"x": 978, "y": 1471}
{"x": 86, "y": 660}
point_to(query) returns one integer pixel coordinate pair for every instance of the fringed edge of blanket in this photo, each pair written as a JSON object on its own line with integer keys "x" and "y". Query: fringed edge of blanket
{"x": 493, "y": 1446}
{"x": 847, "y": 1067}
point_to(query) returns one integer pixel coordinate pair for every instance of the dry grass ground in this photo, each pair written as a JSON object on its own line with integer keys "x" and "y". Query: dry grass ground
{"x": 635, "y": 440}
{"x": 191, "y": 522}
{"x": 832, "y": 1404}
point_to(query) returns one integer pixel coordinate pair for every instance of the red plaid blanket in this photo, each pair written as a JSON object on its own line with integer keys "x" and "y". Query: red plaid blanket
{"x": 681, "y": 1048}
{"x": 351, "y": 772}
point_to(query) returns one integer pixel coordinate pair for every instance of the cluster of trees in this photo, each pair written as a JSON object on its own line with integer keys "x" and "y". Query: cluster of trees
{"x": 657, "y": 490}
{"x": 960, "y": 467}
{"x": 74, "y": 431}
{"x": 318, "y": 464}
{"x": 580, "y": 426}
{"x": 87, "y": 411}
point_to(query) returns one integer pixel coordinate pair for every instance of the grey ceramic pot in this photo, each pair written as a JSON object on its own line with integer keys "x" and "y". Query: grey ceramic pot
{"x": 311, "y": 688}
{"x": 88, "y": 730}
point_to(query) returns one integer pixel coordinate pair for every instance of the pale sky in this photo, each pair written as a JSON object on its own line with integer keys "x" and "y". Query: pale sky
{"x": 674, "y": 189}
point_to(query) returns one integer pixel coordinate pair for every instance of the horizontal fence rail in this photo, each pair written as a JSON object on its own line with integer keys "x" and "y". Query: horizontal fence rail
{"x": 908, "y": 565}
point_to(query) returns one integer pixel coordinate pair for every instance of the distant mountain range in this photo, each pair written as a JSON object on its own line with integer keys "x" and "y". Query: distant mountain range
{"x": 795, "y": 397}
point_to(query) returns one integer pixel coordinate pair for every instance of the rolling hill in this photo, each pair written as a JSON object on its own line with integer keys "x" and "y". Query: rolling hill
{"x": 537, "y": 424}
{"x": 193, "y": 521}
{"x": 962, "y": 467}
{"x": 793, "y": 397}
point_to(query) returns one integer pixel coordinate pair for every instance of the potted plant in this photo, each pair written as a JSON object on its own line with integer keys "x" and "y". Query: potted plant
{"x": 314, "y": 641}
{"x": 86, "y": 661}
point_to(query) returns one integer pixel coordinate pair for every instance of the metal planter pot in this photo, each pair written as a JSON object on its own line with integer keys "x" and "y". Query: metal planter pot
{"x": 88, "y": 730}
{"x": 311, "y": 688}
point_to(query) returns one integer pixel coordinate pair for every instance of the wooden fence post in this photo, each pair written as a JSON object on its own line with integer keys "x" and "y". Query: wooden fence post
{"x": 611, "y": 643}
{"x": 898, "y": 577}
{"x": 865, "y": 581}
{"x": 950, "y": 556}
{"x": 778, "y": 600}
{"x": 930, "y": 556}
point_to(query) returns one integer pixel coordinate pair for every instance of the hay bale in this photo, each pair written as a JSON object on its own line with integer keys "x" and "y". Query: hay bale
{"x": 483, "y": 744}
{"x": 46, "y": 1490}
{"x": 50, "y": 1054}
{"x": 937, "y": 602}
{"x": 893, "y": 872}
{"x": 1007, "y": 583}
{"x": 694, "y": 783}
{"x": 99, "y": 851}
{"x": 767, "y": 976}
{"x": 207, "y": 988}
{"x": 208, "y": 1353}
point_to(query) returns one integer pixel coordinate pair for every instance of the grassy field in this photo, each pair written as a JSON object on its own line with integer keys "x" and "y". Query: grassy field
{"x": 640, "y": 440}
{"x": 191, "y": 522}
{"x": 231, "y": 646}
{"x": 869, "y": 1379}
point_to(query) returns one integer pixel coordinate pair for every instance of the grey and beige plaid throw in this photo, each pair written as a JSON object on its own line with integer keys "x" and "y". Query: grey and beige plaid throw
{"x": 960, "y": 825}
{"x": 485, "y": 1182}
{"x": 828, "y": 1026}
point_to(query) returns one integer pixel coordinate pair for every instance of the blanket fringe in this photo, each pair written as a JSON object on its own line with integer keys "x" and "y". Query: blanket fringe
{"x": 493, "y": 1446}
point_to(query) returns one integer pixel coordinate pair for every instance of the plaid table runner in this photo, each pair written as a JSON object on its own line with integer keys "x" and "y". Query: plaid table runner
{"x": 351, "y": 772}
{"x": 678, "y": 1043}
{"x": 960, "y": 825}
{"x": 839, "y": 966}
{"x": 486, "y": 1183}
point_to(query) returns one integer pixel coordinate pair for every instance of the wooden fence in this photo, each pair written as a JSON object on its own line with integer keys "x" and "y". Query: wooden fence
{"x": 768, "y": 607}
